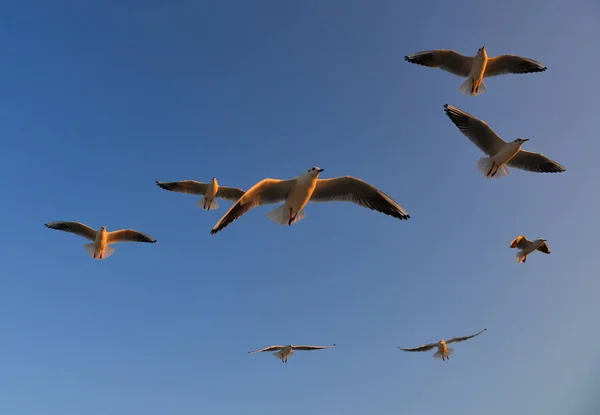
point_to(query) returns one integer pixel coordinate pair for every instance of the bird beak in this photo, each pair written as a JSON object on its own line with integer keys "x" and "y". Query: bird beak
{"x": 483, "y": 48}
{"x": 526, "y": 139}
{"x": 320, "y": 170}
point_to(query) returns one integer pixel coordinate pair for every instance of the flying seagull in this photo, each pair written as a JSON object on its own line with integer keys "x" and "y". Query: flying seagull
{"x": 100, "y": 249}
{"x": 474, "y": 68}
{"x": 526, "y": 247}
{"x": 501, "y": 153}
{"x": 443, "y": 351}
{"x": 296, "y": 193}
{"x": 284, "y": 352}
{"x": 211, "y": 191}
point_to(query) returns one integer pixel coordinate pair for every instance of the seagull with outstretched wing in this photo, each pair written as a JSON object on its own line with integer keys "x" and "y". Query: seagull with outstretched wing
{"x": 527, "y": 247}
{"x": 211, "y": 191}
{"x": 99, "y": 248}
{"x": 296, "y": 193}
{"x": 474, "y": 68}
{"x": 443, "y": 351}
{"x": 284, "y": 352}
{"x": 501, "y": 153}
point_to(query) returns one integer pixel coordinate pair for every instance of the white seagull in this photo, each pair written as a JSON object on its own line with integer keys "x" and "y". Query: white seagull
{"x": 526, "y": 247}
{"x": 501, "y": 153}
{"x": 100, "y": 249}
{"x": 443, "y": 351}
{"x": 211, "y": 191}
{"x": 284, "y": 352}
{"x": 474, "y": 68}
{"x": 296, "y": 193}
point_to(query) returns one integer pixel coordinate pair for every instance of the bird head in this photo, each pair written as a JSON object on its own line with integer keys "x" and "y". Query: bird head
{"x": 520, "y": 140}
{"x": 482, "y": 51}
{"x": 314, "y": 171}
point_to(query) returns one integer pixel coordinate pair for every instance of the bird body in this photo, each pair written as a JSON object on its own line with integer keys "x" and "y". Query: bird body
{"x": 527, "y": 247}
{"x": 100, "y": 247}
{"x": 474, "y": 84}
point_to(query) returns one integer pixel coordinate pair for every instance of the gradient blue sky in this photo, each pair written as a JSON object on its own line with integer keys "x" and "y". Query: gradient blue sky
{"x": 99, "y": 100}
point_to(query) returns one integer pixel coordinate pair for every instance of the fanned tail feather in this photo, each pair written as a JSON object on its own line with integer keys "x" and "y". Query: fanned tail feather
{"x": 521, "y": 257}
{"x": 281, "y": 215}
{"x": 468, "y": 86}
{"x": 203, "y": 203}
{"x": 90, "y": 249}
{"x": 488, "y": 168}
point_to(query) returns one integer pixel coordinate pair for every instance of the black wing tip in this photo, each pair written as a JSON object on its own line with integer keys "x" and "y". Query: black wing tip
{"x": 213, "y": 231}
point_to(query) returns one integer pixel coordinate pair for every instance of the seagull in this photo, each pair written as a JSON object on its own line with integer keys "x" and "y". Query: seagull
{"x": 501, "y": 153}
{"x": 100, "y": 249}
{"x": 443, "y": 351}
{"x": 210, "y": 191}
{"x": 526, "y": 247}
{"x": 296, "y": 193}
{"x": 474, "y": 68}
{"x": 284, "y": 352}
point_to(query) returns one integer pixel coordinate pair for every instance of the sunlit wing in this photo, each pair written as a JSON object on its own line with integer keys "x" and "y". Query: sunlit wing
{"x": 476, "y": 130}
{"x": 461, "y": 339}
{"x": 445, "y": 59}
{"x": 128, "y": 235}
{"x": 74, "y": 227}
{"x": 267, "y": 349}
{"x": 264, "y": 192}
{"x": 422, "y": 348}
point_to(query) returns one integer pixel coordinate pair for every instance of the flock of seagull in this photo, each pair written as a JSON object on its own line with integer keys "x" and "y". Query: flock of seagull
{"x": 309, "y": 187}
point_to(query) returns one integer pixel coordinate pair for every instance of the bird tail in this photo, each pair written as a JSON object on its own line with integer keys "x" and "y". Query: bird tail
{"x": 468, "y": 87}
{"x": 488, "y": 168}
{"x": 281, "y": 215}
{"x": 90, "y": 249}
{"x": 438, "y": 355}
{"x": 203, "y": 203}
{"x": 279, "y": 354}
{"x": 521, "y": 257}
{"x": 450, "y": 351}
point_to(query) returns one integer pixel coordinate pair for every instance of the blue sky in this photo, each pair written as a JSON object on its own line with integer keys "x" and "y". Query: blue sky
{"x": 101, "y": 99}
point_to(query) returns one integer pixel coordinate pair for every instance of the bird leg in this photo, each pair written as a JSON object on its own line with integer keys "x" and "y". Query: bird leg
{"x": 291, "y": 217}
{"x": 492, "y": 168}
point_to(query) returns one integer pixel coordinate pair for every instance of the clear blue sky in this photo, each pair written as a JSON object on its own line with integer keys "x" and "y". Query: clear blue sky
{"x": 99, "y": 100}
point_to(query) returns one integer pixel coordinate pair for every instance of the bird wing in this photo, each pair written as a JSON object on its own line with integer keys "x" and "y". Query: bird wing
{"x": 505, "y": 64}
{"x": 267, "y": 349}
{"x": 264, "y": 192}
{"x": 74, "y": 227}
{"x": 190, "y": 187}
{"x": 230, "y": 193}
{"x": 544, "y": 248}
{"x": 351, "y": 189}
{"x": 311, "y": 347}
{"x": 535, "y": 162}
{"x": 128, "y": 235}
{"x": 476, "y": 130}
{"x": 462, "y": 339}
{"x": 423, "y": 348}
{"x": 519, "y": 242}
{"x": 445, "y": 59}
